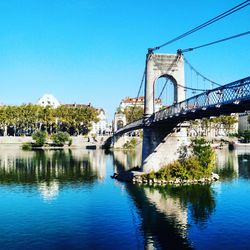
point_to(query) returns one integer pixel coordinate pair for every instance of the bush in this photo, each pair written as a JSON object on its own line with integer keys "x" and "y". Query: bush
{"x": 194, "y": 167}
{"x": 40, "y": 138}
{"x": 27, "y": 146}
{"x": 60, "y": 138}
{"x": 204, "y": 153}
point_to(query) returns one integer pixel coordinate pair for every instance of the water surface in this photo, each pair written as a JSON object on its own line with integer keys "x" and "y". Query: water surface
{"x": 65, "y": 199}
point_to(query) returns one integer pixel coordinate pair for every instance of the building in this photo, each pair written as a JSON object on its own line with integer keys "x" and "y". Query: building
{"x": 102, "y": 127}
{"x": 75, "y": 105}
{"x": 48, "y": 100}
{"x": 207, "y": 128}
{"x": 243, "y": 121}
{"x": 98, "y": 128}
{"x": 138, "y": 102}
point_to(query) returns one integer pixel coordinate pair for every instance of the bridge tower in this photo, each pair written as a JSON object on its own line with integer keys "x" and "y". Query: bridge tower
{"x": 157, "y": 149}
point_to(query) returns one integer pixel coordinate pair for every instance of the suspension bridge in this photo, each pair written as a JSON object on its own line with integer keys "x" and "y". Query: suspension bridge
{"x": 164, "y": 131}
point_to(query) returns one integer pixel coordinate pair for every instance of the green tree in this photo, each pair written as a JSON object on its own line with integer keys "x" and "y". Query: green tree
{"x": 204, "y": 153}
{"x": 133, "y": 113}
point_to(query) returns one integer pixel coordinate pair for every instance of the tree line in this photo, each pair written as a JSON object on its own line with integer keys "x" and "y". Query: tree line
{"x": 26, "y": 118}
{"x": 202, "y": 127}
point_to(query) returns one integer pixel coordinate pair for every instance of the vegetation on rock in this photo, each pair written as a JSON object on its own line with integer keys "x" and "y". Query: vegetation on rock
{"x": 198, "y": 165}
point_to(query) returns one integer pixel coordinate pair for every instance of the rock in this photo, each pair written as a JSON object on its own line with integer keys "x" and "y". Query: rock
{"x": 215, "y": 177}
{"x": 177, "y": 181}
{"x": 202, "y": 180}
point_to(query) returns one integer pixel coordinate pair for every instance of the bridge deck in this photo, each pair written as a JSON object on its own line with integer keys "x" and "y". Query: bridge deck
{"x": 230, "y": 98}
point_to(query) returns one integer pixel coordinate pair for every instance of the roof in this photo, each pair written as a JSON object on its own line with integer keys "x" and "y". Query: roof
{"x": 138, "y": 100}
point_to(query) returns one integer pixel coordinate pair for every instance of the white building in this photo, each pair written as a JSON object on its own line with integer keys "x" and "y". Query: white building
{"x": 101, "y": 127}
{"x": 48, "y": 100}
{"x": 138, "y": 102}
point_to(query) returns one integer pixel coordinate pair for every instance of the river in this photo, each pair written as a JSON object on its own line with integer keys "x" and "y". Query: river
{"x": 65, "y": 199}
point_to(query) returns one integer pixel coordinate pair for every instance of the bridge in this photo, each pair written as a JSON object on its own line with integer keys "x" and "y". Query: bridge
{"x": 164, "y": 131}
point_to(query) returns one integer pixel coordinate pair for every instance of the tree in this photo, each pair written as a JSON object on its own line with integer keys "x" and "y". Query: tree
{"x": 204, "y": 153}
{"x": 26, "y": 118}
{"x": 133, "y": 113}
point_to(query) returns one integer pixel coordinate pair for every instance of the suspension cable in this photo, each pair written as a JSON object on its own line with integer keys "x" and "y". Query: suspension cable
{"x": 203, "y": 25}
{"x": 218, "y": 41}
{"x": 164, "y": 86}
{"x": 198, "y": 73}
{"x": 139, "y": 91}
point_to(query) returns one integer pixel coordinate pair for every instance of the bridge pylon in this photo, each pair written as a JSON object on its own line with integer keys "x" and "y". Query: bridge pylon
{"x": 160, "y": 65}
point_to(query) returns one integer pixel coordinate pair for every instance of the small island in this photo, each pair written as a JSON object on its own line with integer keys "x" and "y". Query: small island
{"x": 195, "y": 165}
{"x": 57, "y": 140}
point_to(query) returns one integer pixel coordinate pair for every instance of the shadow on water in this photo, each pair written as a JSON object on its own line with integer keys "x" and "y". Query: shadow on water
{"x": 165, "y": 210}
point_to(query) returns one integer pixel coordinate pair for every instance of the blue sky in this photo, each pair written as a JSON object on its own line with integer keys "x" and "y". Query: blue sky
{"x": 93, "y": 51}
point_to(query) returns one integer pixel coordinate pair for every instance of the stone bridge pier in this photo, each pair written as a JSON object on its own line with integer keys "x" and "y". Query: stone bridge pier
{"x": 161, "y": 146}
{"x": 161, "y": 143}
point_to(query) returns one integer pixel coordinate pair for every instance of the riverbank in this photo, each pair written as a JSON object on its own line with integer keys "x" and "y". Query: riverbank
{"x": 77, "y": 141}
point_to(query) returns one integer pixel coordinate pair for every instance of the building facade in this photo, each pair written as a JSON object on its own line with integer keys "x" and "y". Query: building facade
{"x": 48, "y": 100}
{"x": 138, "y": 102}
{"x": 243, "y": 121}
{"x": 102, "y": 127}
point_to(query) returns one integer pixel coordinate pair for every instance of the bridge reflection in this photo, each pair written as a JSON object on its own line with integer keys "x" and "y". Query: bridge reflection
{"x": 166, "y": 211}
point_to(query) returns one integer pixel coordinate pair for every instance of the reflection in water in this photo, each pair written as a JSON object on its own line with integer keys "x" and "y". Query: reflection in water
{"x": 233, "y": 164}
{"x": 126, "y": 160}
{"x": 199, "y": 198}
{"x": 164, "y": 210}
{"x": 164, "y": 223}
{"x": 49, "y": 191}
{"x": 244, "y": 162}
{"x": 167, "y": 214}
{"x": 227, "y": 165}
{"x": 49, "y": 169}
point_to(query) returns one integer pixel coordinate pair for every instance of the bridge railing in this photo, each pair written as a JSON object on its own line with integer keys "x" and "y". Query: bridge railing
{"x": 230, "y": 93}
{"x": 233, "y": 92}
{"x": 133, "y": 125}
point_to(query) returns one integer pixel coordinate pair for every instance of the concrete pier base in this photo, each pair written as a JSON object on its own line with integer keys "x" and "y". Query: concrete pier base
{"x": 161, "y": 147}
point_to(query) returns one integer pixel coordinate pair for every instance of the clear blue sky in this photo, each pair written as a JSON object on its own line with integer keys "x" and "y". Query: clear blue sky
{"x": 94, "y": 50}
